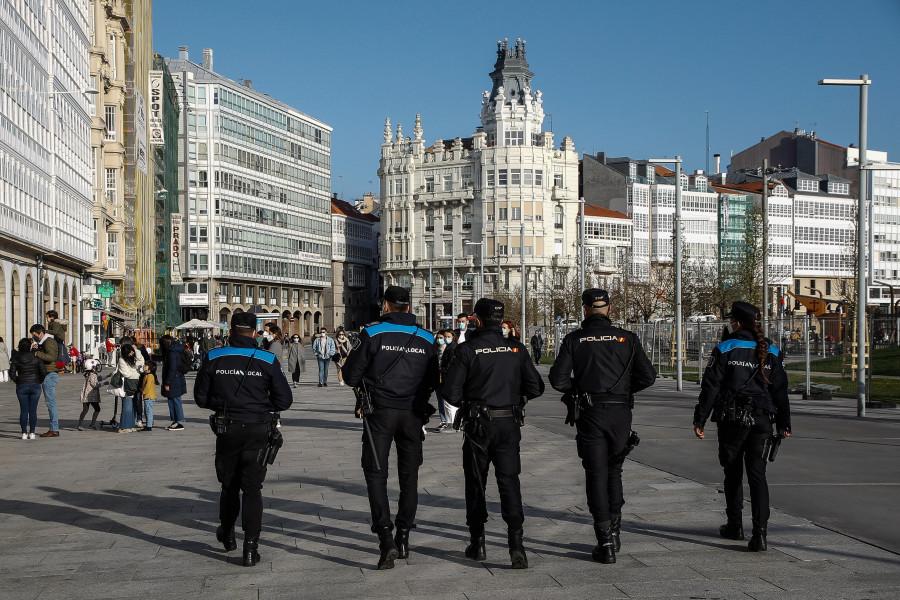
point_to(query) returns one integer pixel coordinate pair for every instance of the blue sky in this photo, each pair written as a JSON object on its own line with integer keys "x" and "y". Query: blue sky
{"x": 627, "y": 78}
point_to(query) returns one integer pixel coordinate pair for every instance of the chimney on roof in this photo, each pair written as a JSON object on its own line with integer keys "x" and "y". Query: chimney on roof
{"x": 183, "y": 53}
{"x": 717, "y": 163}
{"x": 208, "y": 59}
{"x": 248, "y": 83}
{"x": 601, "y": 156}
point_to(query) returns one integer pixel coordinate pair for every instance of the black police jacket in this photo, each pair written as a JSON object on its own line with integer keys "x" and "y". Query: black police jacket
{"x": 409, "y": 383}
{"x": 265, "y": 388}
{"x": 599, "y": 354}
{"x": 734, "y": 365}
{"x": 491, "y": 370}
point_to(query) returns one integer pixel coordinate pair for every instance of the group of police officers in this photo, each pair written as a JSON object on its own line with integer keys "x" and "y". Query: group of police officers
{"x": 394, "y": 368}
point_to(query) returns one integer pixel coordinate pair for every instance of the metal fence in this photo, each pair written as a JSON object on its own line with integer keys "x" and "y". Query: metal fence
{"x": 819, "y": 353}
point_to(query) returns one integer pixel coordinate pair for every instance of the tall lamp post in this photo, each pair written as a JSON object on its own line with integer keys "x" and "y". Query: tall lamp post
{"x": 679, "y": 343}
{"x": 581, "y": 244}
{"x": 481, "y": 260}
{"x": 863, "y": 84}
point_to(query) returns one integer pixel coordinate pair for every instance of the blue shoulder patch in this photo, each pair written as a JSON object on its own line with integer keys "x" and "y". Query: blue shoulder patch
{"x": 729, "y": 345}
{"x": 262, "y": 355}
{"x": 395, "y": 328}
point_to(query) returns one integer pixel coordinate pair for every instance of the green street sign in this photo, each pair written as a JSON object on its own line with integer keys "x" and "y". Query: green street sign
{"x": 106, "y": 290}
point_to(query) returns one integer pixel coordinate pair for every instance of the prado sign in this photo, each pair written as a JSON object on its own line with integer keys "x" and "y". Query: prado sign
{"x": 177, "y": 235}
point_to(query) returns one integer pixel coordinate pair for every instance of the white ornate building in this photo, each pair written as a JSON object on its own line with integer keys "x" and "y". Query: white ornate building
{"x": 45, "y": 163}
{"x": 506, "y": 191}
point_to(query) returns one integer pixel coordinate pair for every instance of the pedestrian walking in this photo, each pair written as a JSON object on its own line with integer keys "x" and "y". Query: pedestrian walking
{"x": 28, "y": 372}
{"x": 323, "y": 348}
{"x": 110, "y": 345}
{"x": 130, "y": 364}
{"x": 490, "y": 379}
{"x": 440, "y": 346}
{"x": 206, "y": 344}
{"x": 46, "y": 349}
{"x": 744, "y": 387}
{"x": 342, "y": 346}
{"x": 537, "y": 346}
{"x": 394, "y": 365}
{"x": 148, "y": 385}
{"x": 599, "y": 369}
{"x": 295, "y": 360}
{"x": 244, "y": 385}
{"x": 174, "y": 385}
{"x": 273, "y": 342}
{"x": 4, "y": 362}
{"x": 90, "y": 393}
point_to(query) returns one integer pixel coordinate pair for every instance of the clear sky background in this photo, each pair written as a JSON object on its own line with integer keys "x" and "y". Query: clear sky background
{"x": 624, "y": 77}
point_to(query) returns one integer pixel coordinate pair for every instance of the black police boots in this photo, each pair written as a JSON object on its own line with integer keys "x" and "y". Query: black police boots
{"x": 251, "y": 551}
{"x": 732, "y": 530}
{"x": 227, "y": 538}
{"x": 388, "y": 549}
{"x": 616, "y": 525}
{"x": 401, "y": 540}
{"x": 604, "y": 552}
{"x": 516, "y": 550}
{"x": 475, "y": 550}
{"x": 758, "y": 539}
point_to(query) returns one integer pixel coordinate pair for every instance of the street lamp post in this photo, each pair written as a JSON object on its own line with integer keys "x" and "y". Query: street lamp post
{"x": 679, "y": 326}
{"x": 481, "y": 260}
{"x": 863, "y": 84}
{"x": 581, "y": 241}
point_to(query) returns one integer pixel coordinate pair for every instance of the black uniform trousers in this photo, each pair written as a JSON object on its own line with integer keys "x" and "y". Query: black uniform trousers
{"x": 493, "y": 441}
{"x": 603, "y": 431}
{"x": 237, "y": 452}
{"x": 403, "y": 428}
{"x": 740, "y": 447}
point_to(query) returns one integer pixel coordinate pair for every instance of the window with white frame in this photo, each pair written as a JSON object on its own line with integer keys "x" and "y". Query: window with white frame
{"x": 807, "y": 185}
{"x": 112, "y": 251}
{"x": 515, "y": 177}
{"x": 429, "y": 183}
{"x": 110, "y": 116}
{"x": 448, "y": 182}
{"x": 516, "y": 213}
{"x": 502, "y": 177}
{"x": 514, "y": 138}
{"x": 835, "y": 187}
{"x": 538, "y": 177}
{"x": 558, "y": 179}
{"x": 112, "y": 56}
{"x": 111, "y": 181}
{"x": 490, "y": 178}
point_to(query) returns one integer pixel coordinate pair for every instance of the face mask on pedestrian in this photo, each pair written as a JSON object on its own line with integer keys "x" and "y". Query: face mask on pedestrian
{"x": 441, "y": 341}
{"x": 341, "y": 336}
{"x": 208, "y": 334}
{"x": 505, "y": 331}
{"x": 295, "y": 339}
{"x": 322, "y": 333}
{"x": 267, "y": 335}
{"x": 461, "y": 326}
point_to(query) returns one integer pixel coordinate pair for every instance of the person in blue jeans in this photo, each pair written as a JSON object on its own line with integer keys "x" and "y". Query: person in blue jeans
{"x": 324, "y": 349}
{"x": 27, "y": 371}
{"x": 45, "y": 348}
{"x": 174, "y": 385}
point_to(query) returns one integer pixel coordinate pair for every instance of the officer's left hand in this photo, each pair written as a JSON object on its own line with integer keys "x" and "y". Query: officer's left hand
{"x": 698, "y": 431}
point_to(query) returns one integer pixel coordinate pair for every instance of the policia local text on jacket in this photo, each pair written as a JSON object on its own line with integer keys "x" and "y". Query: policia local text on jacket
{"x": 733, "y": 369}
{"x": 609, "y": 365}
{"x": 396, "y": 361}
{"x": 248, "y": 411}
{"x": 490, "y": 378}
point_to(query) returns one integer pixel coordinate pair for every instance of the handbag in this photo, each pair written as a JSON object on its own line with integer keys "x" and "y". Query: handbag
{"x": 117, "y": 380}
{"x": 130, "y": 386}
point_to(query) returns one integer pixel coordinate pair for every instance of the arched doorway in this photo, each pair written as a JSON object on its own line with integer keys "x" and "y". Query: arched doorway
{"x": 225, "y": 315}
{"x": 297, "y": 325}
{"x": 317, "y": 320}
{"x": 286, "y": 323}
{"x": 15, "y": 297}
{"x": 65, "y": 313}
{"x": 51, "y": 298}
{"x": 308, "y": 324}
{"x": 30, "y": 304}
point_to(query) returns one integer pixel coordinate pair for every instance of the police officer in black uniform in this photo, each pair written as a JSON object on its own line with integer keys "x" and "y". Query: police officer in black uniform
{"x": 491, "y": 378}
{"x": 395, "y": 361}
{"x": 609, "y": 366}
{"x": 244, "y": 385}
{"x": 745, "y": 388}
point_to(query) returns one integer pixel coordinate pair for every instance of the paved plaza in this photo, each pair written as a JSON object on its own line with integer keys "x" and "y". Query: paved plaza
{"x": 105, "y": 515}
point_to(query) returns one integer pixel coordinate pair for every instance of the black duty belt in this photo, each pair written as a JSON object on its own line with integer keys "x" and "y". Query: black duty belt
{"x": 610, "y": 399}
{"x": 493, "y": 413}
{"x": 243, "y": 422}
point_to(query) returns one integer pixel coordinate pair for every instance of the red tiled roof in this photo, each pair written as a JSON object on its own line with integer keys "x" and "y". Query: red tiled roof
{"x": 664, "y": 171}
{"x": 597, "y": 211}
{"x": 340, "y": 207}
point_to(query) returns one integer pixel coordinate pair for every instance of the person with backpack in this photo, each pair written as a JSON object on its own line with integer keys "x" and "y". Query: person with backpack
{"x": 176, "y": 364}
{"x": 46, "y": 349}
{"x": 28, "y": 372}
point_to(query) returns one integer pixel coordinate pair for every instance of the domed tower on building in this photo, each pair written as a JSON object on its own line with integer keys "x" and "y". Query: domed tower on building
{"x": 502, "y": 202}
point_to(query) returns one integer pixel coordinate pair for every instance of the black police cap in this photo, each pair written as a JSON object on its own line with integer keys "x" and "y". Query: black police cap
{"x": 595, "y": 298}
{"x": 396, "y": 295}
{"x": 243, "y": 320}
{"x": 743, "y": 312}
{"x": 489, "y": 309}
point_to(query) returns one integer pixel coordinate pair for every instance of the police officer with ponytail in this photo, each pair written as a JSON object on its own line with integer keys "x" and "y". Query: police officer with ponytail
{"x": 744, "y": 389}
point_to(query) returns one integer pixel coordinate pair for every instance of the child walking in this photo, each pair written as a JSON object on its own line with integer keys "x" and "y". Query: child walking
{"x": 90, "y": 393}
{"x": 148, "y": 385}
